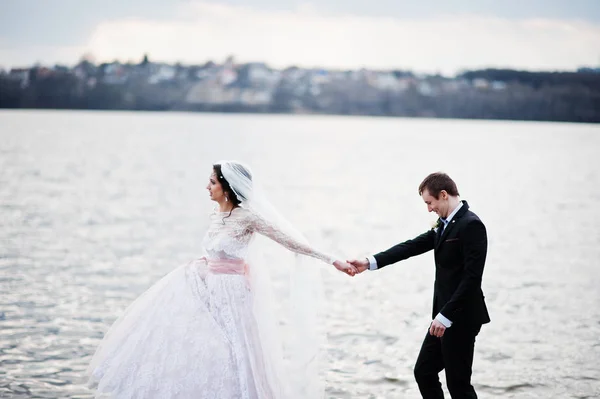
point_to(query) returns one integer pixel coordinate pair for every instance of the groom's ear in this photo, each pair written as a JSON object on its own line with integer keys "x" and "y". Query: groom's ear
{"x": 443, "y": 195}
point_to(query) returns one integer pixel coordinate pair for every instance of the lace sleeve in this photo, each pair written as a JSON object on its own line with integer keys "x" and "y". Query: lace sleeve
{"x": 263, "y": 227}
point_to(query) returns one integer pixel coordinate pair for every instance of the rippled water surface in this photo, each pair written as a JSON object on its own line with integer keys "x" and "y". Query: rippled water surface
{"x": 95, "y": 206}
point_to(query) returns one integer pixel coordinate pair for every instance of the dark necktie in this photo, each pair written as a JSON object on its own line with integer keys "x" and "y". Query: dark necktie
{"x": 440, "y": 228}
{"x": 444, "y": 224}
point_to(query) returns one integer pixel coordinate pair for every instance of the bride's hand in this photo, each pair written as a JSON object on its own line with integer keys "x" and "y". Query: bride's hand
{"x": 360, "y": 264}
{"x": 345, "y": 267}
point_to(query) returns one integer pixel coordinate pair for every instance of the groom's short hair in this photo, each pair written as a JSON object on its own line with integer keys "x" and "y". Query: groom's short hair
{"x": 436, "y": 182}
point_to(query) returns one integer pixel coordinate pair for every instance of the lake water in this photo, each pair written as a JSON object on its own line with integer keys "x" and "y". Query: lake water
{"x": 95, "y": 206}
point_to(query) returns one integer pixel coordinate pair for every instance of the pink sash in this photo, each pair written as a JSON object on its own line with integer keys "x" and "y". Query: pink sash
{"x": 228, "y": 266}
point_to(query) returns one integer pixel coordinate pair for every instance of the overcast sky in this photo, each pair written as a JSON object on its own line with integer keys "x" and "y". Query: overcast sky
{"x": 431, "y": 36}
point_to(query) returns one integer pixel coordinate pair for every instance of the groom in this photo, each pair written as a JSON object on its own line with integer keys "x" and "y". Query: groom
{"x": 459, "y": 244}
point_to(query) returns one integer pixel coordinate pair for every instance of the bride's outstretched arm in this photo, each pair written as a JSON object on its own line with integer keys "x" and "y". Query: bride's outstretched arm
{"x": 263, "y": 227}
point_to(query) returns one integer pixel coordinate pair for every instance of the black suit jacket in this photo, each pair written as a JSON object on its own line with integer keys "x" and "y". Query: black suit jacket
{"x": 460, "y": 253}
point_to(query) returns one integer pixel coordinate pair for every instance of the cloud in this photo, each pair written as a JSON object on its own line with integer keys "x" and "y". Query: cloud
{"x": 307, "y": 37}
{"x": 23, "y": 56}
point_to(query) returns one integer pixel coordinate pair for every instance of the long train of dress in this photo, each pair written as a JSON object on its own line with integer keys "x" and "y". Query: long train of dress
{"x": 194, "y": 333}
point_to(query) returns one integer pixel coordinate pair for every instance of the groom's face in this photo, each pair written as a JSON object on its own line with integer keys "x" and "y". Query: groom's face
{"x": 438, "y": 205}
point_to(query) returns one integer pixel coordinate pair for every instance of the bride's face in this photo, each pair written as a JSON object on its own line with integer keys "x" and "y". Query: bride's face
{"x": 214, "y": 188}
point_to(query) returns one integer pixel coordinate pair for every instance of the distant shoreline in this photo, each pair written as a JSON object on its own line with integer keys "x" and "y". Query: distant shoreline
{"x": 257, "y": 89}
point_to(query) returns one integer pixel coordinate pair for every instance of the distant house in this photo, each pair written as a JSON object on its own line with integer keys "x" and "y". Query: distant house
{"x": 294, "y": 74}
{"x": 164, "y": 73}
{"x": 43, "y": 72}
{"x": 498, "y": 85}
{"x": 61, "y": 69}
{"x": 480, "y": 83}
{"x": 209, "y": 92}
{"x": 84, "y": 69}
{"x": 20, "y": 74}
{"x": 203, "y": 74}
{"x": 260, "y": 74}
{"x": 404, "y": 83}
{"x": 450, "y": 86}
{"x": 114, "y": 73}
{"x": 384, "y": 81}
{"x": 337, "y": 75}
{"x": 227, "y": 76}
{"x": 358, "y": 75}
{"x": 319, "y": 76}
{"x": 425, "y": 89}
{"x": 256, "y": 97}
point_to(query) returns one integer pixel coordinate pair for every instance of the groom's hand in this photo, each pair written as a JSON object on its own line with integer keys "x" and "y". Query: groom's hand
{"x": 437, "y": 329}
{"x": 360, "y": 264}
{"x": 345, "y": 267}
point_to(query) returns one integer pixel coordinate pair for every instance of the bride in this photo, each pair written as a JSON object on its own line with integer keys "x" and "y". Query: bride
{"x": 208, "y": 328}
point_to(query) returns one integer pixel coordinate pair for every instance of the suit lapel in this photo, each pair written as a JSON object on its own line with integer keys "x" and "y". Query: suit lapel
{"x": 454, "y": 220}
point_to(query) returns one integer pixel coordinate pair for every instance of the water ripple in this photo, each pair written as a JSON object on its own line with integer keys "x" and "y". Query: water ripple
{"x": 94, "y": 207}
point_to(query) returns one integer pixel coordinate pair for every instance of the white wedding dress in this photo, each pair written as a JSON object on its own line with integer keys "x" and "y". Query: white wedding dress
{"x": 197, "y": 333}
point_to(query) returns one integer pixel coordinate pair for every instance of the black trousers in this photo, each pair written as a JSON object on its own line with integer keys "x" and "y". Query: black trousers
{"x": 453, "y": 352}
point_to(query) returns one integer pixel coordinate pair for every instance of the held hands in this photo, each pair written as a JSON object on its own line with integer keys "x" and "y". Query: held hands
{"x": 360, "y": 264}
{"x": 345, "y": 268}
{"x": 352, "y": 267}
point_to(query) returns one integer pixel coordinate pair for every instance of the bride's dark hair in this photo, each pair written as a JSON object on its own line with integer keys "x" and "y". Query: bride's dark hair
{"x": 235, "y": 201}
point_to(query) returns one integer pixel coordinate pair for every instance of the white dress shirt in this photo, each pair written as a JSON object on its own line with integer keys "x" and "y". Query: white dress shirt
{"x": 373, "y": 262}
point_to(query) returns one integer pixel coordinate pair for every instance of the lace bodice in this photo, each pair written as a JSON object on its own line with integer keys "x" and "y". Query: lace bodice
{"x": 228, "y": 237}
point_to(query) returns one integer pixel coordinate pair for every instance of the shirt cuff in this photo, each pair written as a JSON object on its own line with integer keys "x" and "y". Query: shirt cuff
{"x": 442, "y": 319}
{"x": 372, "y": 263}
